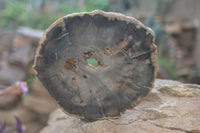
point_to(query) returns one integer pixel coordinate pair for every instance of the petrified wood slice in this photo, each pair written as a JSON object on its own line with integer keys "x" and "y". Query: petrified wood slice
{"x": 97, "y": 64}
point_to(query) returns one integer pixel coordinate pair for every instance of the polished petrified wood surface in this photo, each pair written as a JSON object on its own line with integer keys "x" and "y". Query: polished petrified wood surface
{"x": 97, "y": 64}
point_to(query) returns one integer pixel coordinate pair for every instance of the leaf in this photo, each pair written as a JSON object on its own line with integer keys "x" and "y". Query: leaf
{"x": 92, "y": 62}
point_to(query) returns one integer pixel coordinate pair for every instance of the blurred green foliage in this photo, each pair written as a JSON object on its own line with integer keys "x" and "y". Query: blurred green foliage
{"x": 155, "y": 22}
{"x": 163, "y": 6}
{"x": 26, "y": 13}
{"x": 96, "y": 4}
{"x": 89, "y": 5}
{"x": 157, "y": 27}
{"x": 12, "y": 12}
{"x": 16, "y": 13}
{"x": 30, "y": 80}
{"x": 169, "y": 66}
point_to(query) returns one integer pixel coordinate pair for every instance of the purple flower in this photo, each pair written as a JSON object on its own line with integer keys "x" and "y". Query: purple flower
{"x": 18, "y": 88}
{"x": 2, "y": 127}
{"x": 24, "y": 87}
{"x": 19, "y": 127}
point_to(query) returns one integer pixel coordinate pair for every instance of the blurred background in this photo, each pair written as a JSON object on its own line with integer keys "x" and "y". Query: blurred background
{"x": 176, "y": 24}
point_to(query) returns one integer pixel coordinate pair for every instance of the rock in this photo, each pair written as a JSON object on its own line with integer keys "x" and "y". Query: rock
{"x": 40, "y": 105}
{"x": 9, "y": 74}
{"x": 24, "y": 114}
{"x": 33, "y": 127}
{"x": 6, "y": 41}
{"x": 39, "y": 100}
{"x": 180, "y": 91}
{"x": 173, "y": 28}
{"x": 9, "y": 101}
{"x": 5, "y": 46}
{"x": 22, "y": 55}
{"x": 195, "y": 80}
{"x": 37, "y": 89}
{"x": 24, "y": 46}
{"x": 172, "y": 107}
{"x": 30, "y": 119}
{"x": 162, "y": 73}
{"x": 29, "y": 35}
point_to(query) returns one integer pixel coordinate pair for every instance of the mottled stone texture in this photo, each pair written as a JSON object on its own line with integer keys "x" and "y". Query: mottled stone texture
{"x": 127, "y": 63}
{"x": 172, "y": 107}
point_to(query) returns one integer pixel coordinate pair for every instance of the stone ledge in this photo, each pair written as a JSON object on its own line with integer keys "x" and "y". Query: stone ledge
{"x": 172, "y": 107}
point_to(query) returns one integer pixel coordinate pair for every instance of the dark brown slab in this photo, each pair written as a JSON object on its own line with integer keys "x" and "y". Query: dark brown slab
{"x": 127, "y": 63}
